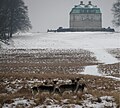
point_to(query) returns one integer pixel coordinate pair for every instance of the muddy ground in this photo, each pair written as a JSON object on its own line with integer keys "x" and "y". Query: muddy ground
{"x": 22, "y": 69}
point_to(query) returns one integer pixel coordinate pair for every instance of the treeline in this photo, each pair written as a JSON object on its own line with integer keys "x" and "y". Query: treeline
{"x": 13, "y": 18}
{"x": 116, "y": 13}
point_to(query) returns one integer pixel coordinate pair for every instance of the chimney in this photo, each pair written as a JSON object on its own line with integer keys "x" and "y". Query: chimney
{"x": 81, "y": 2}
{"x": 89, "y": 3}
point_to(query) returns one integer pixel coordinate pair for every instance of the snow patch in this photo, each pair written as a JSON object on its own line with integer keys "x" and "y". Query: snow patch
{"x": 20, "y": 102}
{"x": 103, "y": 56}
{"x": 91, "y": 70}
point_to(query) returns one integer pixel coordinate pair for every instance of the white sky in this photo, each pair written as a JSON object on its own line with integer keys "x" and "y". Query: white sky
{"x": 51, "y": 14}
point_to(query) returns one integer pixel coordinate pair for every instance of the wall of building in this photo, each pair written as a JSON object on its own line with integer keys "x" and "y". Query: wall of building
{"x": 86, "y": 21}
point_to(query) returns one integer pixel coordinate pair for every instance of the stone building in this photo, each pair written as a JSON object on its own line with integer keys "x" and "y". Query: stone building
{"x": 85, "y": 17}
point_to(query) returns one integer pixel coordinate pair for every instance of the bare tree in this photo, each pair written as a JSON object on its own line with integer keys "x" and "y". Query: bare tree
{"x": 19, "y": 20}
{"x": 116, "y": 13}
{"x": 13, "y": 18}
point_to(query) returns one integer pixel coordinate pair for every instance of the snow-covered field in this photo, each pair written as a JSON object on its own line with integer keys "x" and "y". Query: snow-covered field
{"x": 78, "y": 40}
{"x": 96, "y": 42}
{"x": 106, "y": 101}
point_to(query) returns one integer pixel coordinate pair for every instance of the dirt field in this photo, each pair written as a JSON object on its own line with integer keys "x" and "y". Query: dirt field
{"x": 115, "y": 52}
{"x": 22, "y": 69}
{"x": 44, "y": 61}
{"x": 111, "y": 69}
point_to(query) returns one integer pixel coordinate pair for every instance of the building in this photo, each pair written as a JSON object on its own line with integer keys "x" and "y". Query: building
{"x": 85, "y": 17}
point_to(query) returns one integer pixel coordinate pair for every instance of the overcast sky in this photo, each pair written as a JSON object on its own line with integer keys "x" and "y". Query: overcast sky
{"x": 51, "y": 14}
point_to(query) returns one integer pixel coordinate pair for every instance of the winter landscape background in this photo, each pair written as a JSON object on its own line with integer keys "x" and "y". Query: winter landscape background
{"x": 30, "y": 57}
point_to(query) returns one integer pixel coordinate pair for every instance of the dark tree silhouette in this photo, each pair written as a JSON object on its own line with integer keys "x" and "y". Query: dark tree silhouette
{"x": 13, "y": 18}
{"x": 116, "y": 13}
{"x": 3, "y": 18}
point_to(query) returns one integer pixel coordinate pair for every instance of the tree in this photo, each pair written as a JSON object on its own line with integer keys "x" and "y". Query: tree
{"x": 13, "y": 17}
{"x": 116, "y": 13}
{"x": 19, "y": 20}
{"x": 3, "y": 18}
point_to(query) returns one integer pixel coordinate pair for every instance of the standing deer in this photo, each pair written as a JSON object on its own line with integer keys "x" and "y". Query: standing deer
{"x": 34, "y": 90}
{"x": 75, "y": 86}
{"x": 80, "y": 87}
{"x": 68, "y": 87}
{"x": 47, "y": 88}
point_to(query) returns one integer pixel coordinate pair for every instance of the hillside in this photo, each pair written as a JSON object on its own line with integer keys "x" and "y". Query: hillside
{"x": 78, "y": 40}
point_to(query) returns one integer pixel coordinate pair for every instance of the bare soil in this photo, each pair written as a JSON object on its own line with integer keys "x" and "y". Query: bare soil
{"x": 22, "y": 69}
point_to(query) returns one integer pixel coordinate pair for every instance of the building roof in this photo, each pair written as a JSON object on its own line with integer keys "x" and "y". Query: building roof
{"x": 85, "y": 9}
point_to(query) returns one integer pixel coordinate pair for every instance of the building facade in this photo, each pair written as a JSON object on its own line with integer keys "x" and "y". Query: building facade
{"x": 85, "y": 17}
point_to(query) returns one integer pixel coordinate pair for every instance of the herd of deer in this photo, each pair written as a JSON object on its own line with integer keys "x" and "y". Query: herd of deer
{"x": 73, "y": 86}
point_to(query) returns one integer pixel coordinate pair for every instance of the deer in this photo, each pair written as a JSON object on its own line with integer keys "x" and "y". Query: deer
{"x": 47, "y": 88}
{"x": 34, "y": 90}
{"x": 68, "y": 87}
{"x": 75, "y": 86}
{"x": 80, "y": 87}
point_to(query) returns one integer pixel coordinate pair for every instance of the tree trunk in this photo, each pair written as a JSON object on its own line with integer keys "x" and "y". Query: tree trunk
{"x": 10, "y": 34}
{"x": 11, "y": 20}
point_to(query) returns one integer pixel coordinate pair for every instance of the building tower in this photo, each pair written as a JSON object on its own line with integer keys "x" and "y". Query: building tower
{"x": 85, "y": 17}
